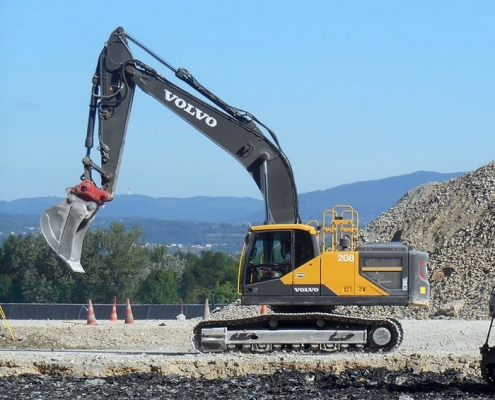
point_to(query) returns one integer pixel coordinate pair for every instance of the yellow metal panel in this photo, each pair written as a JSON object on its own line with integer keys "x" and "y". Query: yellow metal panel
{"x": 339, "y": 272}
{"x": 306, "y": 274}
{"x": 279, "y": 227}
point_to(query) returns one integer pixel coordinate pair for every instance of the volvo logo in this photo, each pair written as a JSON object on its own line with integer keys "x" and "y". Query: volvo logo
{"x": 190, "y": 109}
{"x": 306, "y": 289}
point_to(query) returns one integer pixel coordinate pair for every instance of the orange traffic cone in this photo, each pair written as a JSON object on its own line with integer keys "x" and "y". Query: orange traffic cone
{"x": 113, "y": 314}
{"x": 264, "y": 309}
{"x": 129, "y": 319}
{"x": 91, "y": 320}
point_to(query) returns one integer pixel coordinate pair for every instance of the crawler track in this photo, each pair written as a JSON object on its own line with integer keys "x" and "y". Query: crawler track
{"x": 317, "y": 333}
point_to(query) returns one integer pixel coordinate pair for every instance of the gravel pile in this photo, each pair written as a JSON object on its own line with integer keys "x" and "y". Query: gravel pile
{"x": 454, "y": 221}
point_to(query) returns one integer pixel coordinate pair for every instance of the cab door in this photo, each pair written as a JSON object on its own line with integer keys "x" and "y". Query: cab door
{"x": 306, "y": 278}
{"x": 268, "y": 270}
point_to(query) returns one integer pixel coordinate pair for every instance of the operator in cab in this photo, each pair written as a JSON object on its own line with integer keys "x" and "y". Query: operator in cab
{"x": 285, "y": 250}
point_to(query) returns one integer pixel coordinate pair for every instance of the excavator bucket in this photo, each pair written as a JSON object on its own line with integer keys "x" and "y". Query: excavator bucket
{"x": 64, "y": 227}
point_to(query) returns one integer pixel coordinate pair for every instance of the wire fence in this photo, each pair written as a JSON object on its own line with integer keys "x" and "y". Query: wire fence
{"x": 34, "y": 311}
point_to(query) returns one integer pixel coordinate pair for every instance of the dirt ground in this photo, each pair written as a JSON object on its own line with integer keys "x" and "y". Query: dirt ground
{"x": 114, "y": 347}
{"x": 169, "y": 335}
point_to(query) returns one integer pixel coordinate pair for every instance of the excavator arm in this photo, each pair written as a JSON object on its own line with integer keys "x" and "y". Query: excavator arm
{"x": 237, "y": 132}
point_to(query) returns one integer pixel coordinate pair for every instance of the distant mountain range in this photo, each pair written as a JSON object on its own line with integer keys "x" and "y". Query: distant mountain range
{"x": 168, "y": 220}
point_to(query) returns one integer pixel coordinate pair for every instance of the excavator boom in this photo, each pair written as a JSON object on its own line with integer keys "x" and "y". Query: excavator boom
{"x": 236, "y": 131}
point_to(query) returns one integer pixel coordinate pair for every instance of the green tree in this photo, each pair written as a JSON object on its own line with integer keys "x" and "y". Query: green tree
{"x": 33, "y": 270}
{"x": 212, "y": 273}
{"x": 115, "y": 263}
{"x": 6, "y": 288}
{"x": 161, "y": 285}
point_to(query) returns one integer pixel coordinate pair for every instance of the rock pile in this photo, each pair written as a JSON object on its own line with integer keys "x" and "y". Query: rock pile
{"x": 454, "y": 222}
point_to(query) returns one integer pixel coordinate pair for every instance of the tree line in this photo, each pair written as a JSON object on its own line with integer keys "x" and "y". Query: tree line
{"x": 117, "y": 264}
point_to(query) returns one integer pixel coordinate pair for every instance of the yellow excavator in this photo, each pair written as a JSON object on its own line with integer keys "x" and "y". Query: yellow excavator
{"x": 302, "y": 271}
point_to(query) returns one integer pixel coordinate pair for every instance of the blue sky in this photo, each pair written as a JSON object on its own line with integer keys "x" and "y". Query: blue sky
{"x": 354, "y": 90}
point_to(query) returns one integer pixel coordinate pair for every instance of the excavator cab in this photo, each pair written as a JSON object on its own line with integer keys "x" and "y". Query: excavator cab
{"x": 274, "y": 251}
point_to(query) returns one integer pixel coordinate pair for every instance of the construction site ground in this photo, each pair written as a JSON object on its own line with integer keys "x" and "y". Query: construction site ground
{"x": 57, "y": 347}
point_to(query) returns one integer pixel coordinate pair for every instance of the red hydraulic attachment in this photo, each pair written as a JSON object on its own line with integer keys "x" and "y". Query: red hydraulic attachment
{"x": 88, "y": 191}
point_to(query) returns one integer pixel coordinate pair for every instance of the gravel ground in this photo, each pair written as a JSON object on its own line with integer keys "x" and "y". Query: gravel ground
{"x": 439, "y": 359}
